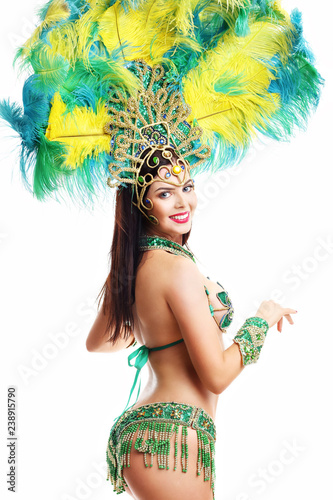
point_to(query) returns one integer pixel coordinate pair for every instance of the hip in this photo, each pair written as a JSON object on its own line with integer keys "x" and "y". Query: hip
{"x": 152, "y": 429}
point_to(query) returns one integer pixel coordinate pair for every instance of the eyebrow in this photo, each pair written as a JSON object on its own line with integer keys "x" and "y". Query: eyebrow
{"x": 158, "y": 189}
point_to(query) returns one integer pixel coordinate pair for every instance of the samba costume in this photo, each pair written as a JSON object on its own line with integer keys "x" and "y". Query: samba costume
{"x": 121, "y": 89}
{"x": 161, "y": 420}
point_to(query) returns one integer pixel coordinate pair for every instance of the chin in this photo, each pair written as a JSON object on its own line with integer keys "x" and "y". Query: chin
{"x": 177, "y": 228}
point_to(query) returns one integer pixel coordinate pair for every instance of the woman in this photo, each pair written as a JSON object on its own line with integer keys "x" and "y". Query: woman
{"x": 106, "y": 78}
{"x": 163, "y": 299}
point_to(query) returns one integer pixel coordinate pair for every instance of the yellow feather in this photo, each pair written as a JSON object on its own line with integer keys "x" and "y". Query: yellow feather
{"x": 73, "y": 40}
{"x": 82, "y": 131}
{"x": 231, "y": 5}
{"x": 57, "y": 11}
{"x": 183, "y": 17}
{"x": 150, "y": 31}
{"x": 245, "y": 61}
{"x": 111, "y": 17}
{"x": 63, "y": 41}
{"x": 83, "y": 28}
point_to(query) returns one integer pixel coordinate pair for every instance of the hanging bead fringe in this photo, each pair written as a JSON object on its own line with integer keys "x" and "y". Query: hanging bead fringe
{"x": 184, "y": 449}
{"x": 159, "y": 435}
{"x": 205, "y": 461}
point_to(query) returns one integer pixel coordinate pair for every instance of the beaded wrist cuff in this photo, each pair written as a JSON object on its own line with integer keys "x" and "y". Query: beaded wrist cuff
{"x": 250, "y": 339}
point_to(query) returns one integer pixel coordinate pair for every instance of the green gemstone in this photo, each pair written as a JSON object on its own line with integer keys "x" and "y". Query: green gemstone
{"x": 155, "y": 160}
{"x": 141, "y": 179}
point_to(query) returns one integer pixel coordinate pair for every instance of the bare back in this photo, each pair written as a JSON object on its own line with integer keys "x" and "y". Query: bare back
{"x": 172, "y": 376}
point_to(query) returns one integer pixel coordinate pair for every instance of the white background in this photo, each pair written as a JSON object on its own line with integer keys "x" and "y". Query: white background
{"x": 263, "y": 230}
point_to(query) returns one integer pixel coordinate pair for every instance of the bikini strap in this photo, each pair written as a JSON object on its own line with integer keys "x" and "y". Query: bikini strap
{"x": 140, "y": 357}
{"x": 165, "y": 346}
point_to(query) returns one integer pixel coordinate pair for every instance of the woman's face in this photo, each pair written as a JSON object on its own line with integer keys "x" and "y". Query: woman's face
{"x": 173, "y": 206}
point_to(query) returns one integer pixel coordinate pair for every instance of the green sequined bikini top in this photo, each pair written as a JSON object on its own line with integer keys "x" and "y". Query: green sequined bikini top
{"x": 140, "y": 356}
{"x": 228, "y": 314}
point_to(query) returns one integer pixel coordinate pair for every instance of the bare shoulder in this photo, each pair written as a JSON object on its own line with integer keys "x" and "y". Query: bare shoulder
{"x": 182, "y": 269}
{"x": 159, "y": 256}
{"x": 183, "y": 278}
{"x": 168, "y": 267}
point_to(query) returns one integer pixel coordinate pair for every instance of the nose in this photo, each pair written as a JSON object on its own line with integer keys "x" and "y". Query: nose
{"x": 180, "y": 198}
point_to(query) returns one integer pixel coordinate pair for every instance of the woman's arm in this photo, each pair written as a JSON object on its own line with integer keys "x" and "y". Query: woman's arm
{"x": 97, "y": 338}
{"x": 186, "y": 296}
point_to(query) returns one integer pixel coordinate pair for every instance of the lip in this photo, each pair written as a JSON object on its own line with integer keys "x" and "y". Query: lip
{"x": 186, "y": 219}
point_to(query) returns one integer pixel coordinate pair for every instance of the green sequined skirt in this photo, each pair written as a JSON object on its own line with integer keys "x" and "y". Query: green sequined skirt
{"x": 161, "y": 420}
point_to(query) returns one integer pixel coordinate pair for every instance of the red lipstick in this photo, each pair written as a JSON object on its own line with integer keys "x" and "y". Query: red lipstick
{"x": 183, "y": 217}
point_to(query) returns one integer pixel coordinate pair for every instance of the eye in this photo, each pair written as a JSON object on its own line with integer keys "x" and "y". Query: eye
{"x": 189, "y": 187}
{"x": 164, "y": 192}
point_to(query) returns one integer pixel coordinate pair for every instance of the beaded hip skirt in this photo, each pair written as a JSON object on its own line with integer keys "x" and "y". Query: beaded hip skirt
{"x": 161, "y": 421}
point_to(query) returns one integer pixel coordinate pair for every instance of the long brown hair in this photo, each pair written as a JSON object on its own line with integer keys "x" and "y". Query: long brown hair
{"x": 118, "y": 291}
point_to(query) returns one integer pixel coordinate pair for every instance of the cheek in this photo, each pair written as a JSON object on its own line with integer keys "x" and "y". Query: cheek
{"x": 194, "y": 200}
{"x": 161, "y": 206}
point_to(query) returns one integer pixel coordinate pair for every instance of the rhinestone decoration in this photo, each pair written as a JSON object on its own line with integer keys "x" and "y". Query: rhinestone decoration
{"x": 176, "y": 170}
{"x": 157, "y": 412}
{"x": 176, "y": 413}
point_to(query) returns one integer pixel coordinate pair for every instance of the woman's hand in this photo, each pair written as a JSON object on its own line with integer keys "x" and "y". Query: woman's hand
{"x": 274, "y": 313}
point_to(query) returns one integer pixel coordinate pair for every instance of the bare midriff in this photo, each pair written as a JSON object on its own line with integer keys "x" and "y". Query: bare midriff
{"x": 172, "y": 378}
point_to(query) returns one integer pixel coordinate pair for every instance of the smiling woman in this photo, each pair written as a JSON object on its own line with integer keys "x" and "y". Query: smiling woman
{"x": 172, "y": 206}
{"x": 164, "y": 175}
{"x": 138, "y": 96}
{"x": 155, "y": 295}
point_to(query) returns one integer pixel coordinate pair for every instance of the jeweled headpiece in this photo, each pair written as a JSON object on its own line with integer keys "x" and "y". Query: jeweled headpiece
{"x": 147, "y": 126}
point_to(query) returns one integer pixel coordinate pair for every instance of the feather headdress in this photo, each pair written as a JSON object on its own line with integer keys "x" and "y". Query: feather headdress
{"x": 238, "y": 66}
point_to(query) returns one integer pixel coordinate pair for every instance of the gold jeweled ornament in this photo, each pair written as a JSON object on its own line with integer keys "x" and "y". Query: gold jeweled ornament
{"x": 176, "y": 169}
{"x": 154, "y": 120}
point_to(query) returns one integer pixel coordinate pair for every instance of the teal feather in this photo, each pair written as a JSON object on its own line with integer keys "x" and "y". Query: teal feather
{"x": 230, "y": 84}
{"x": 299, "y": 85}
{"x": 242, "y": 23}
{"x": 300, "y": 44}
{"x": 13, "y": 114}
{"x": 36, "y": 110}
{"x": 28, "y": 122}
{"x": 300, "y": 93}
{"x": 83, "y": 95}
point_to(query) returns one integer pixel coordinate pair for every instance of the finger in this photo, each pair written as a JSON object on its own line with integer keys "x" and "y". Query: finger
{"x": 279, "y": 325}
{"x": 289, "y": 318}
